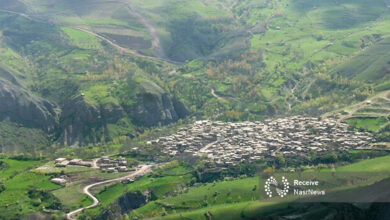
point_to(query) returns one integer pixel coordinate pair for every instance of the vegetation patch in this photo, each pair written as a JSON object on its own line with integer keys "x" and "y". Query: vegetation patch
{"x": 370, "y": 124}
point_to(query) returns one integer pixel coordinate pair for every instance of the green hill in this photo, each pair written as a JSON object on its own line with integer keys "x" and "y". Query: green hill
{"x": 83, "y": 78}
{"x": 372, "y": 65}
{"x": 261, "y": 58}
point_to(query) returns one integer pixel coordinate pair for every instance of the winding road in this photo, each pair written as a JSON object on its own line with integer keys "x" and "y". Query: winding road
{"x": 125, "y": 50}
{"x": 152, "y": 31}
{"x": 215, "y": 95}
{"x": 353, "y": 109}
{"x": 86, "y": 190}
{"x": 156, "y": 42}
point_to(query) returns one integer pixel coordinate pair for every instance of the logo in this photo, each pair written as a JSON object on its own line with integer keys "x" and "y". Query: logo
{"x": 272, "y": 182}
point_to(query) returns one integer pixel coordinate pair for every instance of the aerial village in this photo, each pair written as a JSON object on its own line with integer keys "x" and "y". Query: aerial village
{"x": 231, "y": 143}
{"x": 228, "y": 143}
{"x": 104, "y": 163}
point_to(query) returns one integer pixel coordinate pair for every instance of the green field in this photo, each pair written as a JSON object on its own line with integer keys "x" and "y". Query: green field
{"x": 159, "y": 186}
{"x": 82, "y": 39}
{"x": 71, "y": 195}
{"x": 244, "y": 210}
{"x": 229, "y": 199}
{"x": 370, "y": 124}
{"x": 379, "y": 164}
{"x": 18, "y": 182}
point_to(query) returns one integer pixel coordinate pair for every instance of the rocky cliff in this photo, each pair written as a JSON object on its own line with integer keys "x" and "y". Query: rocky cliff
{"x": 19, "y": 105}
{"x": 154, "y": 106}
{"x": 81, "y": 123}
{"x": 125, "y": 204}
{"x": 77, "y": 122}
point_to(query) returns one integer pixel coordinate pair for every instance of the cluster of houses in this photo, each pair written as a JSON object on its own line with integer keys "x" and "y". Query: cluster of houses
{"x": 233, "y": 143}
{"x": 63, "y": 162}
{"x": 106, "y": 164}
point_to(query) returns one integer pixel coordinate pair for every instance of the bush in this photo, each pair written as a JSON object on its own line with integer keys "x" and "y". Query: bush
{"x": 2, "y": 187}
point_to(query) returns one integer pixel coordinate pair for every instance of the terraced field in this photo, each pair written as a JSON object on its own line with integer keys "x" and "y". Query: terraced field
{"x": 372, "y": 114}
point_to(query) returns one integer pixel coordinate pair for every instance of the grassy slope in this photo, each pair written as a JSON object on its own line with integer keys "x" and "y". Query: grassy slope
{"x": 288, "y": 43}
{"x": 82, "y": 39}
{"x": 160, "y": 186}
{"x": 315, "y": 30}
{"x": 71, "y": 196}
{"x": 18, "y": 139}
{"x": 18, "y": 180}
{"x": 370, "y": 124}
{"x": 298, "y": 40}
{"x": 60, "y": 63}
{"x": 241, "y": 196}
{"x": 372, "y": 65}
{"x": 127, "y": 18}
{"x": 379, "y": 164}
{"x": 290, "y": 35}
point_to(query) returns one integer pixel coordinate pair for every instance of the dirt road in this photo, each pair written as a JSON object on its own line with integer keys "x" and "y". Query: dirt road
{"x": 152, "y": 31}
{"x": 156, "y": 41}
{"x": 351, "y": 111}
{"x": 203, "y": 150}
{"x": 122, "y": 49}
{"x": 143, "y": 170}
{"x": 360, "y": 105}
{"x": 94, "y": 163}
{"x": 215, "y": 95}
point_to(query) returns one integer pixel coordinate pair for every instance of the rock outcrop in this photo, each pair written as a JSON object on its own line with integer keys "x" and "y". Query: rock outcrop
{"x": 20, "y": 106}
{"x": 81, "y": 123}
{"x": 78, "y": 122}
{"x": 155, "y": 107}
{"x": 125, "y": 204}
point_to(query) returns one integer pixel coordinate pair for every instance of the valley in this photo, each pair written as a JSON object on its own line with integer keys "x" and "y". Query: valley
{"x": 178, "y": 109}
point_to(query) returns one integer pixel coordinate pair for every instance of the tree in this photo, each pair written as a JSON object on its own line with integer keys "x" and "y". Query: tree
{"x": 2, "y": 187}
{"x": 281, "y": 161}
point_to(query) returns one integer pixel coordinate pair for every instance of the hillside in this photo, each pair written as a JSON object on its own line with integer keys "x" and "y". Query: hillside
{"x": 371, "y": 65}
{"x": 74, "y": 86}
{"x": 92, "y": 78}
{"x": 257, "y": 59}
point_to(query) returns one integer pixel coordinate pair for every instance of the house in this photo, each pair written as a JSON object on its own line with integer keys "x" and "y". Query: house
{"x": 104, "y": 165}
{"x": 111, "y": 169}
{"x": 75, "y": 161}
{"x": 122, "y": 169}
{"x": 128, "y": 181}
{"x": 60, "y": 160}
{"x": 230, "y": 143}
{"x": 62, "y": 164}
{"x": 60, "y": 181}
{"x": 104, "y": 159}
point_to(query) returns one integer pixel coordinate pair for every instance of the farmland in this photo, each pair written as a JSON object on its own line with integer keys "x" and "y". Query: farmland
{"x": 18, "y": 181}
{"x": 227, "y": 199}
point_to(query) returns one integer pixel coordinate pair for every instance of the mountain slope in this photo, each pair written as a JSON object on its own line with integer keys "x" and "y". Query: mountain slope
{"x": 67, "y": 84}
{"x": 103, "y": 62}
{"x": 372, "y": 65}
